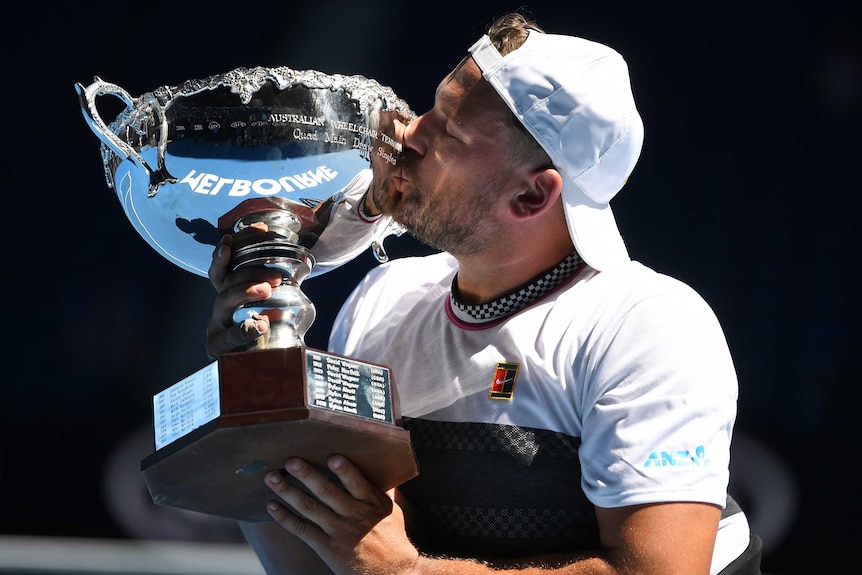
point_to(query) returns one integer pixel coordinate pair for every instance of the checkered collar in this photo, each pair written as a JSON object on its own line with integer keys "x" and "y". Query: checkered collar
{"x": 517, "y": 300}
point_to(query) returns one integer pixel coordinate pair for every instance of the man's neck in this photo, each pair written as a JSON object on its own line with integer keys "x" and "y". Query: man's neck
{"x": 488, "y": 276}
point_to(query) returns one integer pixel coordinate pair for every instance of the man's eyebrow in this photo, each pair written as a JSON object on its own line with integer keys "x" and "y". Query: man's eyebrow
{"x": 454, "y": 73}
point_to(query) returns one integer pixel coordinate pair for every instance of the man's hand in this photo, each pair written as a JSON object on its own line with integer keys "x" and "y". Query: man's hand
{"x": 386, "y": 160}
{"x": 235, "y": 288}
{"x": 354, "y": 529}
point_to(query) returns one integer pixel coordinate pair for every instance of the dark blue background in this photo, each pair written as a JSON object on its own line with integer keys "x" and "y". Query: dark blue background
{"x": 747, "y": 190}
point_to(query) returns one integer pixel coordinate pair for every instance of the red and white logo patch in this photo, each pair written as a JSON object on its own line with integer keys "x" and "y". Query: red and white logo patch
{"x": 505, "y": 377}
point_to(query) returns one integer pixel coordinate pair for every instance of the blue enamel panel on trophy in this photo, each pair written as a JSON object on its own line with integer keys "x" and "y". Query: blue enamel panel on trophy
{"x": 181, "y": 220}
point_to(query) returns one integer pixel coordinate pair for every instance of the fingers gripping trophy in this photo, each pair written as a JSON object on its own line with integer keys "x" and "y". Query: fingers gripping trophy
{"x": 275, "y": 157}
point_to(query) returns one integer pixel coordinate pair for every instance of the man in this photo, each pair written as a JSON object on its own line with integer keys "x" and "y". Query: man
{"x": 571, "y": 409}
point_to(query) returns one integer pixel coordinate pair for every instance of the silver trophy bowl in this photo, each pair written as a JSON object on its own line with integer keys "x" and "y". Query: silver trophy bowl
{"x": 254, "y": 145}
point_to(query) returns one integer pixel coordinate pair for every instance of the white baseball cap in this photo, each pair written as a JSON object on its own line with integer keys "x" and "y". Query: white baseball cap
{"x": 574, "y": 96}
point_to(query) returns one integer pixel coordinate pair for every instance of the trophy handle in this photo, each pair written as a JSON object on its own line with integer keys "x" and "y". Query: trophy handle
{"x": 87, "y": 97}
{"x": 377, "y": 248}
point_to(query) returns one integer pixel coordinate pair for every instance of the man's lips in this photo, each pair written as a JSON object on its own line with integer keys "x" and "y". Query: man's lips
{"x": 400, "y": 181}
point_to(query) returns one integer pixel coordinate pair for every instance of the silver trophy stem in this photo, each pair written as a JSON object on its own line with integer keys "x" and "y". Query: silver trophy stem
{"x": 289, "y": 310}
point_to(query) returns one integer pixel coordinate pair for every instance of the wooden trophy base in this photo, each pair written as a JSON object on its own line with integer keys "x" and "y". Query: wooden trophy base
{"x": 214, "y": 444}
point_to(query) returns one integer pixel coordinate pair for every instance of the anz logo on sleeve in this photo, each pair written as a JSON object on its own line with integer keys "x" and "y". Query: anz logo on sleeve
{"x": 678, "y": 458}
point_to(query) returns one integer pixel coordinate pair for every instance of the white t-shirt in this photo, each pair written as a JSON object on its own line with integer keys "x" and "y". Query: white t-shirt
{"x": 628, "y": 368}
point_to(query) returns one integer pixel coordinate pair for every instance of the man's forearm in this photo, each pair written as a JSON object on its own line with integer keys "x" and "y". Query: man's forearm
{"x": 559, "y": 565}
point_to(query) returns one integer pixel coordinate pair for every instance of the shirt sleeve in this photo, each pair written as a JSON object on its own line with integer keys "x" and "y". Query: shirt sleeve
{"x": 347, "y": 231}
{"x": 662, "y": 390}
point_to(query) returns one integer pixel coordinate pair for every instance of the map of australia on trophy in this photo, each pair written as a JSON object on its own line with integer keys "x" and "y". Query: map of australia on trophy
{"x": 289, "y": 150}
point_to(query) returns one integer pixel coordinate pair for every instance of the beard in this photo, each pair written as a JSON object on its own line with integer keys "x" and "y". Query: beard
{"x": 459, "y": 222}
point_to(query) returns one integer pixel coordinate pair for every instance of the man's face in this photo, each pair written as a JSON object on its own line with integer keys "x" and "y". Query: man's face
{"x": 449, "y": 183}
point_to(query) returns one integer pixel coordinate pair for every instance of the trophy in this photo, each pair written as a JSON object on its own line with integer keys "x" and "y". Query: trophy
{"x": 278, "y": 150}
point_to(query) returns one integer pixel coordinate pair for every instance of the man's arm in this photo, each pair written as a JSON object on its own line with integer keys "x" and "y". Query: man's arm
{"x": 360, "y": 530}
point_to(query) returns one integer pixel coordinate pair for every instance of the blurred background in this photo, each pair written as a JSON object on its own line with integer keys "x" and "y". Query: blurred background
{"x": 747, "y": 190}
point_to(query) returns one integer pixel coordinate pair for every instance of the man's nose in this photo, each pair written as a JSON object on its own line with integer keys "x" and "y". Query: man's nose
{"x": 415, "y": 135}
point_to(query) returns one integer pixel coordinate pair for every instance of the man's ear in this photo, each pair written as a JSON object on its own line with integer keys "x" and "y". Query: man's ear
{"x": 542, "y": 190}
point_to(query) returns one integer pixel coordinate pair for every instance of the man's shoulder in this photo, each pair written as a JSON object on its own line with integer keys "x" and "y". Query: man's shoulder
{"x": 611, "y": 295}
{"x": 636, "y": 280}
